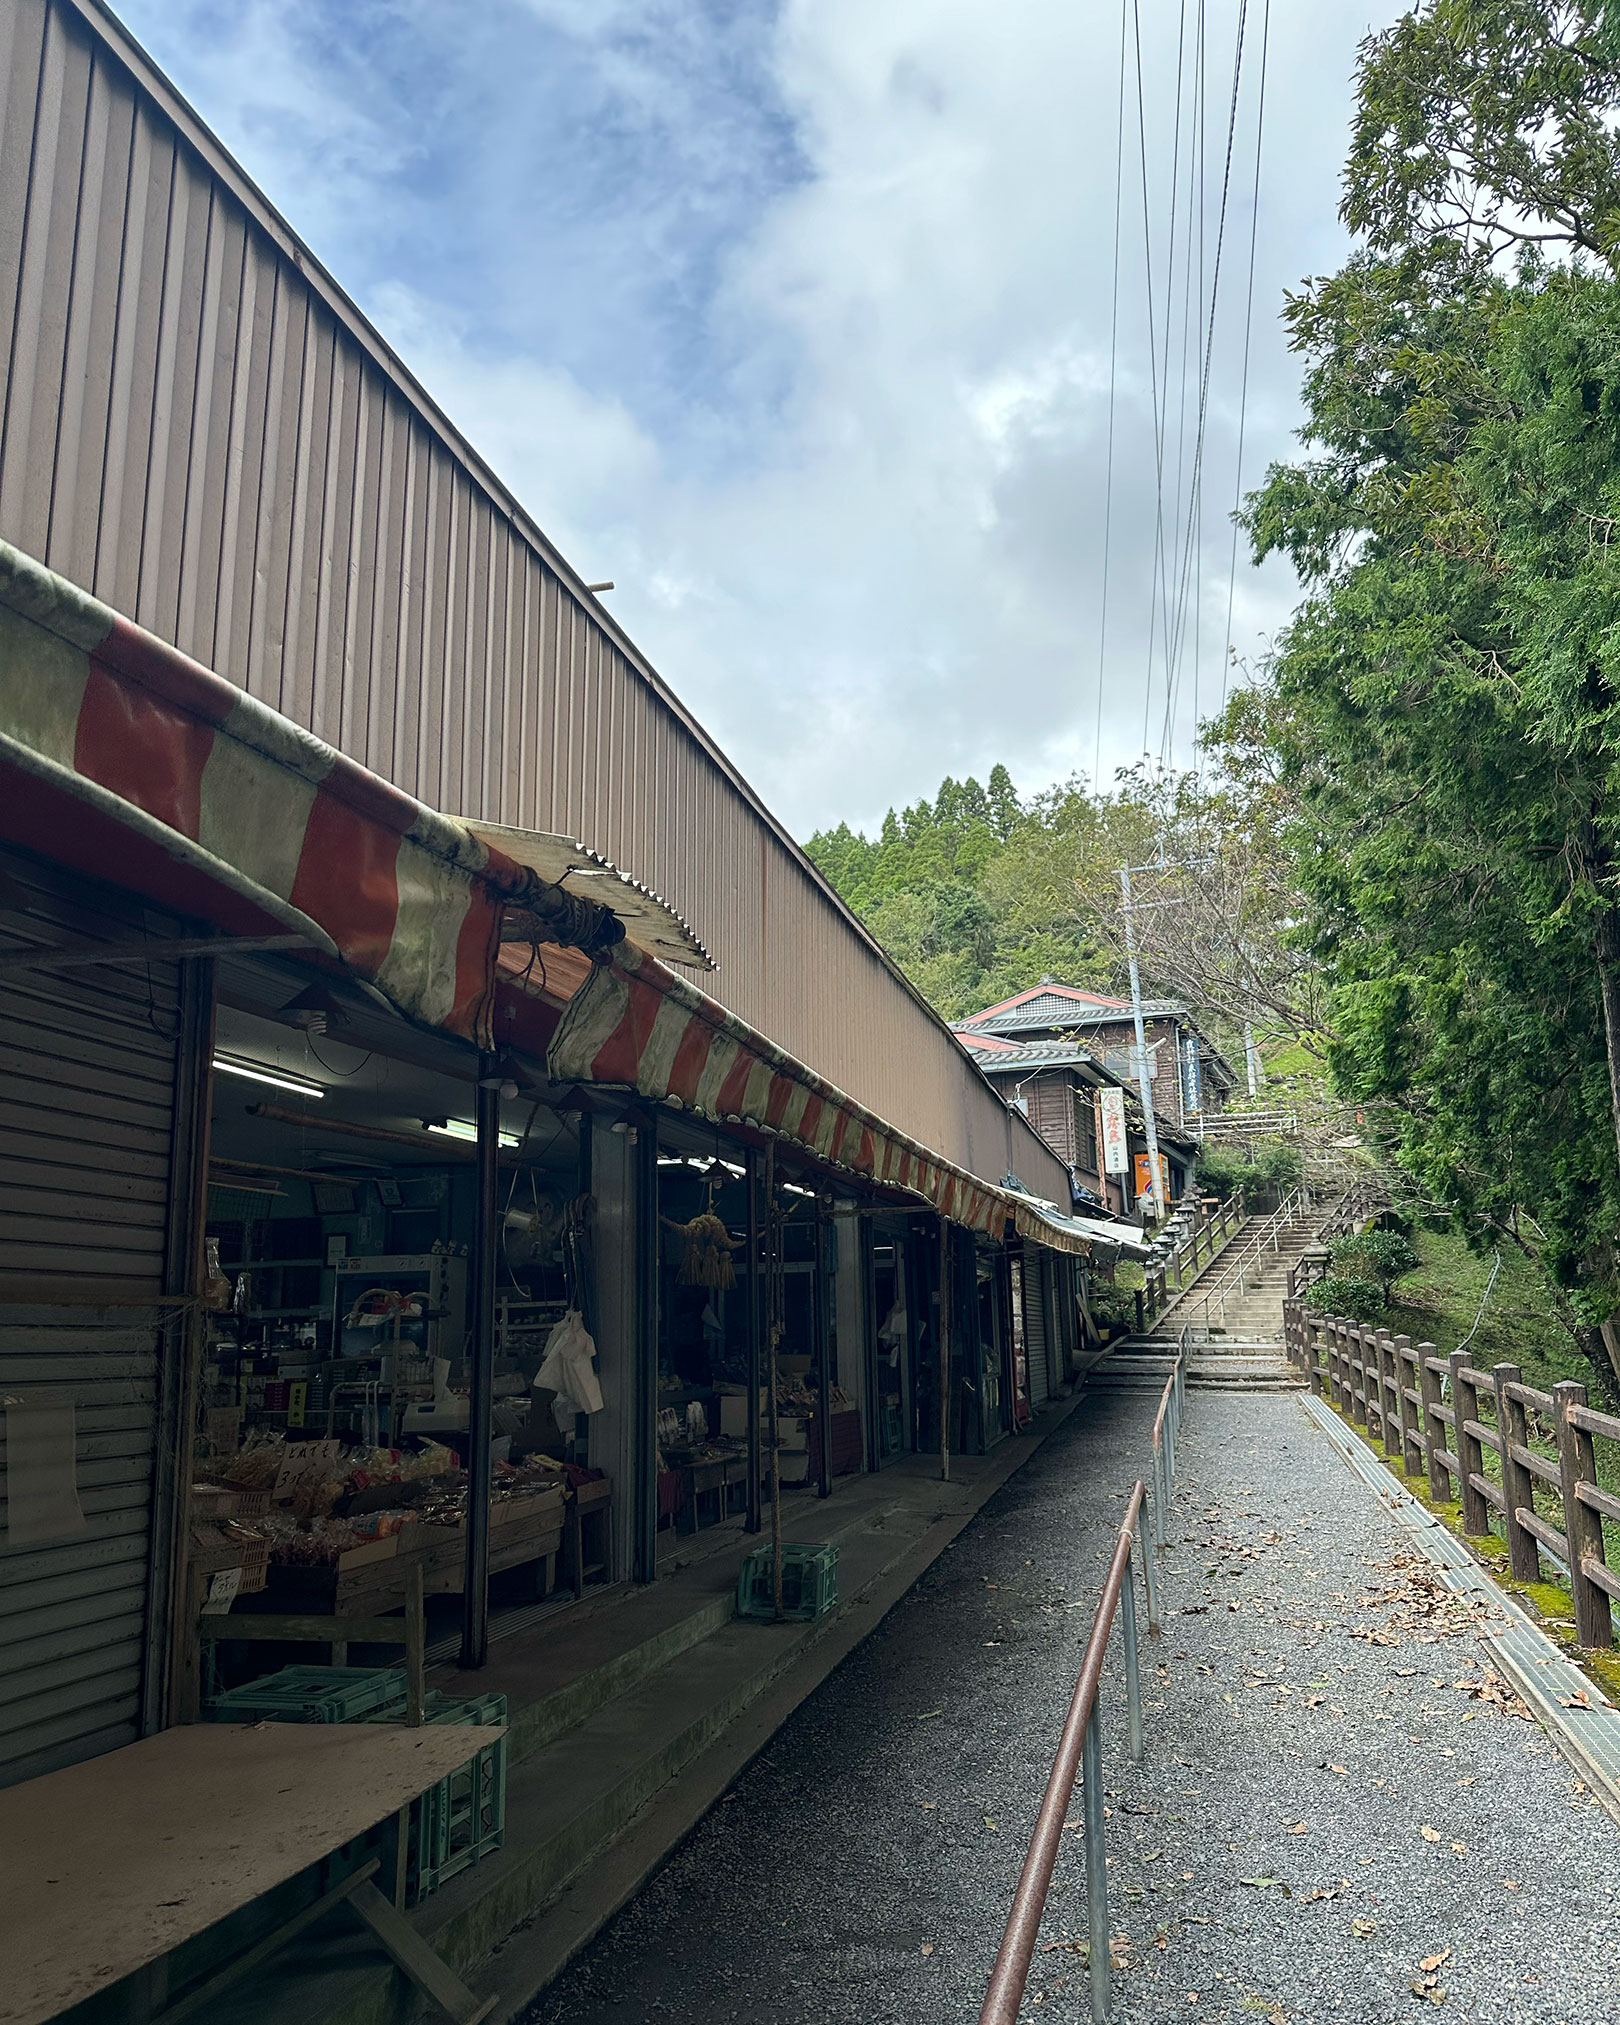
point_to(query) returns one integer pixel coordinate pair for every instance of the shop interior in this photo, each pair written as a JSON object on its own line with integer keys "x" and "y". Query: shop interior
{"x": 903, "y": 1372}
{"x": 333, "y": 1404}
{"x": 706, "y": 1313}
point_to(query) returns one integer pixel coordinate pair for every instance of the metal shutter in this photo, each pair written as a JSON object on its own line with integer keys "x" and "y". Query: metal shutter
{"x": 87, "y": 1123}
{"x": 1034, "y": 1278}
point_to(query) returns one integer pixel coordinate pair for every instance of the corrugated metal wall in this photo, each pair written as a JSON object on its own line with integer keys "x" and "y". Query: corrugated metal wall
{"x": 87, "y": 1121}
{"x": 200, "y": 428}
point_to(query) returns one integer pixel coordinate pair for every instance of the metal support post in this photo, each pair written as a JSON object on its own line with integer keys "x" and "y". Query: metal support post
{"x": 1133, "y": 1656}
{"x": 1096, "y": 1865}
{"x": 1144, "y": 1075}
{"x": 1149, "y": 1577}
{"x": 480, "y": 1391}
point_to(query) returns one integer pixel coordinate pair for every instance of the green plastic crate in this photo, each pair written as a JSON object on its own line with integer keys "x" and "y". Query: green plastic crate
{"x": 463, "y": 1817}
{"x": 310, "y": 1694}
{"x": 809, "y": 1582}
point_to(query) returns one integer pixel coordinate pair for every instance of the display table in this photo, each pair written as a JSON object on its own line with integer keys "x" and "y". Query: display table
{"x": 108, "y": 1866}
{"x": 370, "y": 1580}
{"x": 691, "y": 1482}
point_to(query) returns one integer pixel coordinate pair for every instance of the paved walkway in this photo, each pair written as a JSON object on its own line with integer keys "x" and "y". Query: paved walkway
{"x": 1338, "y": 1801}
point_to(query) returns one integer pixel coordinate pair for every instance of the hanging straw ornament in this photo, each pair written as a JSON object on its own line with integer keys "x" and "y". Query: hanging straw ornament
{"x": 707, "y": 1261}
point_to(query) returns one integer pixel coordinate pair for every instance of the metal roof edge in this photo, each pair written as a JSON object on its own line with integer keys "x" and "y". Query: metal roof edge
{"x": 206, "y": 144}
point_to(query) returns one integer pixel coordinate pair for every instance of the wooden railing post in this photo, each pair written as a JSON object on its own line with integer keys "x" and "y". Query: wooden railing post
{"x": 1434, "y": 1429}
{"x": 1411, "y": 1432}
{"x": 1141, "y": 1321}
{"x": 1518, "y": 1486}
{"x": 1313, "y": 1360}
{"x": 1582, "y": 1527}
{"x": 1388, "y": 1414}
{"x": 1358, "y": 1399}
{"x": 1467, "y": 1449}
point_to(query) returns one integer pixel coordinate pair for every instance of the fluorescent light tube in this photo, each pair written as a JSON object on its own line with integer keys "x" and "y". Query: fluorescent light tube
{"x": 457, "y": 1128}
{"x": 256, "y": 1072}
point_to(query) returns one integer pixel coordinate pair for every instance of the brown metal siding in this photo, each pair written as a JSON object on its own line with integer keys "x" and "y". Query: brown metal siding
{"x": 201, "y": 430}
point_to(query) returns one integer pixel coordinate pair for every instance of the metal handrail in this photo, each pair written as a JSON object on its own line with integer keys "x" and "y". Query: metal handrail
{"x": 1156, "y": 1294}
{"x": 1295, "y": 1205}
{"x": 1080, "y": 1746}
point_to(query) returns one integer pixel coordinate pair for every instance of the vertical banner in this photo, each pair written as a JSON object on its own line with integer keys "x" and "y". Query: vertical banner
{"x": 1111, "y": 1109}
{"x": 1192, "y": 1074}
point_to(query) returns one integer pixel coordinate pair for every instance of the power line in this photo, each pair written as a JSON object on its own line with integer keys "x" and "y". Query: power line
{"x": 1248, "y": 329}
{"x": 1208, "y": 348}
{"x": 1113, "y": 362}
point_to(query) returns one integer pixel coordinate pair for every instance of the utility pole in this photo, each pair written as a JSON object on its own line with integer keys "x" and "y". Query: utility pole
{"x": 1144, "y": 1079}
{"x": 1251, "y": 1061}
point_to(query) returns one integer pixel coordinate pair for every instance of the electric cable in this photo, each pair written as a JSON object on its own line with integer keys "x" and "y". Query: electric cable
{"x": 1248, "y": 331}
{"x": 1113, "y": 365}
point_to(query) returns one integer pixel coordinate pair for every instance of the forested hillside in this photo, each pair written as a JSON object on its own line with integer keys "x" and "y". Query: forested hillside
{"x": 973, "y": 893}
{"x": 980, "y": 893}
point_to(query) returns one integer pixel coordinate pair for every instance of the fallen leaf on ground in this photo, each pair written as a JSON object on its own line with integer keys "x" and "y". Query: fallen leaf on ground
{"x": 1430, "y": 1834}
{"x": 928, "y": 1947}
{"x": 1364, "y": 1929}
{"x": 1578, "y": 1700}
{"x": 1299, "y": 1828}
{"x": 1432, "y": 1962}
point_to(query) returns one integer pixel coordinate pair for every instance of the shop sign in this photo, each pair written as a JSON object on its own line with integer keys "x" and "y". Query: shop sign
{"x": 1116, "y": 1155}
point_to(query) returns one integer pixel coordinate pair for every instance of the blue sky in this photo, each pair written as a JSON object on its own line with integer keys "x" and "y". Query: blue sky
{"x": 794, "y": 320}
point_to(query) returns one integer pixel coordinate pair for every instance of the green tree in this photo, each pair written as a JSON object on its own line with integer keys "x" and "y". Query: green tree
{"x": 1442, "y": 707}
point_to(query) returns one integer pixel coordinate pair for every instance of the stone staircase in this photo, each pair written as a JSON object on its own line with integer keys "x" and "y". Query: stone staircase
{"x": 1237, "y": 1329}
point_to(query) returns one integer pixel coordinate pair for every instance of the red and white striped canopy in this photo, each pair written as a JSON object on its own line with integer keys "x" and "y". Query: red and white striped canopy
{"x": 125, "y": 759}
{"x": 639, "y": 1026}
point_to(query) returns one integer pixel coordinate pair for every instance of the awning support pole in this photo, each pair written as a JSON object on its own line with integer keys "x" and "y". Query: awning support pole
{"x": 944, "y": 1351}
{"x": 754, "y": 1521}
{"x": 481, "y": 1339}
{"x": 823, "y": 1356}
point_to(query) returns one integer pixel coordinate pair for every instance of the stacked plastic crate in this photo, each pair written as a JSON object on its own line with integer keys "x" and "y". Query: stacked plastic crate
{"x": 809, "y": 1582}
{"x": 455, "y": 1822}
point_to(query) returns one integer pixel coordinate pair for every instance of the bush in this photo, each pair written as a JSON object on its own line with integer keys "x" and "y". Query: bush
{"x": 1347, "y": 1294}
{"x": 1273, "y": 1170}
{"x": 1382, "y": 1255}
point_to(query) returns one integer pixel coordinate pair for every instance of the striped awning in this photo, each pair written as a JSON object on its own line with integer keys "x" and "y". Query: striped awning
{"x": 1043, "y": 1223}
{"x": 637, "y": 1026}
{"x": 125, "y": 759}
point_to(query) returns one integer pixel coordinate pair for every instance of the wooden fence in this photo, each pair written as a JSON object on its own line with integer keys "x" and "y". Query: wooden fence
{"x": 1542, "y": 1442}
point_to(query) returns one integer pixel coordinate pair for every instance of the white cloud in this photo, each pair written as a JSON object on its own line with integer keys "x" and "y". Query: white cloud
{"x": 797, "y": 326}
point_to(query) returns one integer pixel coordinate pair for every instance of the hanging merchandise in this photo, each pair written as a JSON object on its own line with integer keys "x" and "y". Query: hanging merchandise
{"x": 569, "y": 1369}
{"x": 707, "y": 1259}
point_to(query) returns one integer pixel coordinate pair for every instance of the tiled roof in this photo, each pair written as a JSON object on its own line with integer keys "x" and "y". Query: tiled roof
{"x": 1042, "y": 1005}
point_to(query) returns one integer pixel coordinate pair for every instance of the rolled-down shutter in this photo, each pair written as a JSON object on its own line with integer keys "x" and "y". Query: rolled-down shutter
{"x": 1035, "y": 1326}
{"x": 87, "y": 1132}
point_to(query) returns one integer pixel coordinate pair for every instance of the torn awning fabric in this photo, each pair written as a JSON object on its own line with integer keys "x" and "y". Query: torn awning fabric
{"x": 126, "y": 759}
{"x": 636, "y": 1025}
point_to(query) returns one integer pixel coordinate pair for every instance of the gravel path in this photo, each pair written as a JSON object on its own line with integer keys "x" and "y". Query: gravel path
{"x": 1318, "y": 1813}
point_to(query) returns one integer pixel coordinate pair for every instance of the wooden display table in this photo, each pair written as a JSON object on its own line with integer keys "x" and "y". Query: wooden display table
{"x": 588, "y": 1534}
{"x": 713, "y": 1476}
{"x": 108, "y": 1866}
{"x": 370, "y": 1580}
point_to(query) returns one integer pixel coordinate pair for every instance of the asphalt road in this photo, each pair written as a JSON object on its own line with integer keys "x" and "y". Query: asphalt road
{"x": 1336, "y": 1801}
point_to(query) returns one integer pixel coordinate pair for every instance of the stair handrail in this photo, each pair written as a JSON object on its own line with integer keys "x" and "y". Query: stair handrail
{"x": 1211, "y": 1231}
{"x": 1294, "y": 1207}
